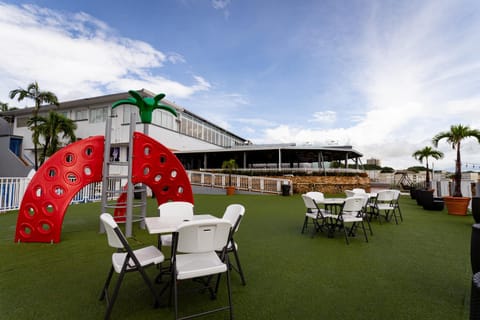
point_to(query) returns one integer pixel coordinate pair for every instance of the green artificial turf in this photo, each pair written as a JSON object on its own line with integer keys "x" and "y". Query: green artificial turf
{"x": 419, "y": 269}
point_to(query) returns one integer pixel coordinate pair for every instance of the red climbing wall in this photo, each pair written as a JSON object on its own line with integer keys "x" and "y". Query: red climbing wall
{"x": 54, "y": 185}
{"x": 157, "y": 167}
{"x": 64, "y": 174}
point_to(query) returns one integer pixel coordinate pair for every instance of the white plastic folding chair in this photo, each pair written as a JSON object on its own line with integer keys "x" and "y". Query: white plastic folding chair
{"x": 396, "y": 204}
{"x": 234, "y": 214}
{"x": 126, "y": 260}
{"x": 319, "y": 217}
{"x": 349, "y": 193}
{"x": 318, "y": 196}
{"x": 383, "y": 203}
{"x": 364, "y": 212}
{"x": 358, "y": 190}
{"x": 181, "y": 210}
{"x": 351, "y": 213}
{"x": 195, "y": 246}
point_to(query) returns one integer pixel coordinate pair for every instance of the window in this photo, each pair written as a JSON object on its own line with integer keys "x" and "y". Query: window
{"x": 98, "y": 115}
{"x": 81, "y": 115}
{"x": 127, "y": 111}
{"x": 22, "y": 122}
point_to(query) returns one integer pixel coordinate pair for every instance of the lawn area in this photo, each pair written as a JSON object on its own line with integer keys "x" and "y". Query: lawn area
{"x": 419, "y": 269}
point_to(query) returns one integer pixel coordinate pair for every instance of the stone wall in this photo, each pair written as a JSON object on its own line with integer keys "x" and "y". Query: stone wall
{"x": 329, "y": 184}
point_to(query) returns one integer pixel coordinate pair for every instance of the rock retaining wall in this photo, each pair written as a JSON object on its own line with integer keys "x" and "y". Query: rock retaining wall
{"x": 329, "y": 184}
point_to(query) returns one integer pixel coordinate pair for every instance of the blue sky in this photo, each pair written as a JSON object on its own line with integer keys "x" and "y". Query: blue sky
{"x": 383, "y": 76}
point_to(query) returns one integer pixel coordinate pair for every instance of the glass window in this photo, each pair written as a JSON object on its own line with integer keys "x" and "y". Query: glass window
{"x": 81, "y": 114}
{"x": 22, "y": 122}
{"x": 98, "y": 115}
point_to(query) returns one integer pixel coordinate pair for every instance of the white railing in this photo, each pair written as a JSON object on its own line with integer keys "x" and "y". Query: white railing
{"x": 13, "y": 189}
{"x": 243, "y": 183}
{"x": 11, "y": 192}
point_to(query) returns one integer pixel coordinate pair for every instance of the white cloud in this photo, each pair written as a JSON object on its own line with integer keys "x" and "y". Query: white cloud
{"x": 222, "y": 5}
{"x": 418, "y": 74}
{"x": 77, "y": 55}
{"x": 326, "y": 117}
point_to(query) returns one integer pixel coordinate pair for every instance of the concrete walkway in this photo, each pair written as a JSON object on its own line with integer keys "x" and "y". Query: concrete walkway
{"x": 210, "y": 190}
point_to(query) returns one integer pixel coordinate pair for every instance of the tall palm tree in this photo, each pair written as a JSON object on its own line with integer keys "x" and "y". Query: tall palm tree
{"x": 424, "y": 154}
{"x": 39, "y": 97}
{"x": 455, "y": 136}
{"x": 50, "y": 129}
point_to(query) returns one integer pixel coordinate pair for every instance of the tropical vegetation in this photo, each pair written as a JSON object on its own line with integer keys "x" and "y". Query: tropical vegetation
{"x": 424, "y": 153}
{"x": 455, "y": 136}
{"x": 229, "y": 166}
{"x": 50, "y": 128}
{"x": 34, "y": 93}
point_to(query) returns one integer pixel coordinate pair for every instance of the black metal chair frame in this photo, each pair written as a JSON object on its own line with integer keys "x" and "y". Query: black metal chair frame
{"x": 126, "y": 268}
{"x": 205, "y": 283}
{"x": 231, "y": 247}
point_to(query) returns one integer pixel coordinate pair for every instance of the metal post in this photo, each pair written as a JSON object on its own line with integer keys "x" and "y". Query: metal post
{"x": 128, "y": 221}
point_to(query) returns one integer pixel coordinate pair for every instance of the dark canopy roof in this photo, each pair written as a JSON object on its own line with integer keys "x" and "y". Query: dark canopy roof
{"x": 258, "y": 156}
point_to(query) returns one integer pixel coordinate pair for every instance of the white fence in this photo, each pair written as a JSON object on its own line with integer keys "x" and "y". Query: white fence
{"x": 243, "y": 183}
{"x": 11, "y": 192}
{"x": 13, "y": 189}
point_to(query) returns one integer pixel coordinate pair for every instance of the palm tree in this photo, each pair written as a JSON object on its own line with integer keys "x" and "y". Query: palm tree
{"x": 50, "y": 128}
{"x": 3, "y": 106}
{"x": 424, "y": 154}
{"x": 229, "y": 166}
{"x": 33, "y": 92}
{"x": 145, "y": 105}
{"x": 455, "y": 136}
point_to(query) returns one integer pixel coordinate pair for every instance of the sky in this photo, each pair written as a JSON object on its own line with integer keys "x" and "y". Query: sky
{"x": 382, "y": 76}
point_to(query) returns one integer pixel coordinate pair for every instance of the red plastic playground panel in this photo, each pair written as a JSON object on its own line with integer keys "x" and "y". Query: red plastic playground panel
{"x": 75, "y": 166}
{"x": 156, "y": 166}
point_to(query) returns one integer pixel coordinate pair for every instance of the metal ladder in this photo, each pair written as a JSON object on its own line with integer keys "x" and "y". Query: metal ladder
{"x": 113, "y": 185}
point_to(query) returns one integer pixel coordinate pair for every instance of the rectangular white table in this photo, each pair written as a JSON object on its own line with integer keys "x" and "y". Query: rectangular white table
{"x": 158, "y": 225}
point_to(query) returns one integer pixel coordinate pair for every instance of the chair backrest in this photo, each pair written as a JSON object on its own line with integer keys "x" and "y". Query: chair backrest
{"x": 366, "y": 198}
{"x": 349, "y": 193}
{"x": 178, "y": 209}
{"x": 353, "y": 205}
{"x": 309, "y": 203}
{"x": 385, "y": 195}
{"x": 234, "y": 214}
{"x": 203, "y": 235}
{"x": 396, "y": 194}
{"x": 316, "y": 195}
{"x": 113, "y": 237}
{"x": 358, "y": 190}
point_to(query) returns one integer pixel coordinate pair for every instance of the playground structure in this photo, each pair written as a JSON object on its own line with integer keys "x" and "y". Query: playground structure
{"x": 52, "y": 188}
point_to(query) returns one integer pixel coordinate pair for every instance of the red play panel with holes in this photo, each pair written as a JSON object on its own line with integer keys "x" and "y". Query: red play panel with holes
{"x": 63, "y": 175}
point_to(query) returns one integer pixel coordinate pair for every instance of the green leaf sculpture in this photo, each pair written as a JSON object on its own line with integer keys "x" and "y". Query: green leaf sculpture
{"x": 145, "y": 105}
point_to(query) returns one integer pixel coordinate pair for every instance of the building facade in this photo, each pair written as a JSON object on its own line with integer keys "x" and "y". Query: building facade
{"x": 185, "y": 132}
{"x": 197, "y": 142}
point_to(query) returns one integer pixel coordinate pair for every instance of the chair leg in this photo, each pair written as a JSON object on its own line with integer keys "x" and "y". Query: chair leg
{"x": 305, "y": 223}
{"x": 346, "y": 233}
{"x": 364, "y": 231}
{"x": 175, "y": 294}
{"x": 107, "y": 284}
{"x": 239, "y": 266}
{"x": 370, "y": 227}
{"x": 115, "y": 294}
{"x": 399, "y": 212}
{"x": 229, "y": 292}
{"x": 395, "y": 216}
{"x": 150, "y": 286}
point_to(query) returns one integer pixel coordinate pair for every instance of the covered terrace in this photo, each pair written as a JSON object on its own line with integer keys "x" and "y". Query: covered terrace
{"x": 278, "y": 156}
